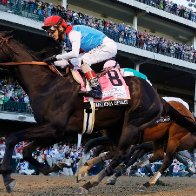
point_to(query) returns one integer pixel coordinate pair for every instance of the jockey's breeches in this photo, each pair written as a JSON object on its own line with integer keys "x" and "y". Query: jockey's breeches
{"x": 106, "y": 50}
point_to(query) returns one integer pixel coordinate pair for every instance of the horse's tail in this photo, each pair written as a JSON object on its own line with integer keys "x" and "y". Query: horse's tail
{"x": 103, "y": 140}
{"x": 180, "y": 119}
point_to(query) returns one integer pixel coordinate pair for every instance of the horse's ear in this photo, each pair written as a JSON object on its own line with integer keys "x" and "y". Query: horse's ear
{"x": 8, "y": 33}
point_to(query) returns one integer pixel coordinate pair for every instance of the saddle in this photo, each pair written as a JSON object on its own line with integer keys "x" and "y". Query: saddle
{"x": 115, "y": 92}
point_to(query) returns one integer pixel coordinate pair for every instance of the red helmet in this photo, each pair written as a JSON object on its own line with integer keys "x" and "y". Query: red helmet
{"x": 54, "y": 21}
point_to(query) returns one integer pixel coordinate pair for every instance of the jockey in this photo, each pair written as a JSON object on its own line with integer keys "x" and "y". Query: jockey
{"x": 96, "y": 45}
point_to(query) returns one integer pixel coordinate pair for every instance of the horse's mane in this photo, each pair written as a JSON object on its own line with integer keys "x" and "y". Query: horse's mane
{"x": 10, "y": 35}
{"x": 6, "y": 33}
{"x": 40, "y": 55}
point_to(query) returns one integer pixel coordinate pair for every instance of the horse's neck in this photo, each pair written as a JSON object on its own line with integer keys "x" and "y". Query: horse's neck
{"x": 38, "y": 80}
{"x": 33, "y": 78}
{"x": 46, "y": 89}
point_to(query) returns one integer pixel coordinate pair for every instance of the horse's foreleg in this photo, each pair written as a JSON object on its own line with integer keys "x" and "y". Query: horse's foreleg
{"x": 6, "y": 168}
{"x": 83, "y": 171}
{"x": 85, "y": 157}
{"x": 105, "y": 172}
{"x": 10, "y": 143}
{"x": 128, "y": 134}
{"x": 121, "y": 169}
{"x": 93, "y": 182}
{"x": 96, "y": 179}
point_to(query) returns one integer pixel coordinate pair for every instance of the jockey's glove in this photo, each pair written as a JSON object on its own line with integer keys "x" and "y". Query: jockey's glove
{"x": 62, "y": 63}
{"x": 50, "y": 59}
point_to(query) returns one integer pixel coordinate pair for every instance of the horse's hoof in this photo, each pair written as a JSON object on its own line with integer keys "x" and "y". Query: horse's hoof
{"x": 45, "y": 173}
{"x": 10, "y": 186}
{"x": 83, "y": 172}
{"x": 111, "y": 181}
{"x": 82, "y": 191}
{"x": 77, "y": 180}
{"x": 160, "y": 183}
{"x": 80, "y": 177}
{"x": 143, "y": 188}
{"x": 146, "y": 185}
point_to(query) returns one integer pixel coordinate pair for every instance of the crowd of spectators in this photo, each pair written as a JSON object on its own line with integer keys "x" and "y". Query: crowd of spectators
{"x": 13, "y": 98}
{"x": 122, "y": 32}
{"x": 44, "y": 9}
{"x": 70, "y": 155}
{"x": 176, "y": 169}
{"x": 173, "y": 8}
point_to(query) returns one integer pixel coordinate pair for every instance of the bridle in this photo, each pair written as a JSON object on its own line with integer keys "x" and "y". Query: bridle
{"x": 4, "y": 41}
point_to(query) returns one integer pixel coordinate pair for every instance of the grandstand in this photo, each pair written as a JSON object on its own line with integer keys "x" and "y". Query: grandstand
{"x": 172, "y": 74}
{"x": 166, "y": 73}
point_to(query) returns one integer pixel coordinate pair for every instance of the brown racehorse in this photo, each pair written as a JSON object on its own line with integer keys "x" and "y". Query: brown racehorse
{"x": 58, "y": 109}
{"x": 168, "y": 137}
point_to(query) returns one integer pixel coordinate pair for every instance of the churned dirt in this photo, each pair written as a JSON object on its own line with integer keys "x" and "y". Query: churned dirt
{"x": 125, "y": 186}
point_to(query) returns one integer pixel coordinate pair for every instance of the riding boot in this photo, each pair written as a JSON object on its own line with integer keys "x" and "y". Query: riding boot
{"x": 90, "y": 75}
{"x": 95, "y": 91}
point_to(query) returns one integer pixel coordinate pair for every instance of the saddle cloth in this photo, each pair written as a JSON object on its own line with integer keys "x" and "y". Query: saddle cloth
{"x": 112, "y": 84}
{"x": 115, "y": 93}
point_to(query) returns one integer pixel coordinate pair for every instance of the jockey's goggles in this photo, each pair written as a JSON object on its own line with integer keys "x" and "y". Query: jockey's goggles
{"x": 51, "y": 30}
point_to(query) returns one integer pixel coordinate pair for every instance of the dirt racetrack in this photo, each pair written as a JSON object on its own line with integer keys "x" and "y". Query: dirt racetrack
{"x": 126, "y": 186}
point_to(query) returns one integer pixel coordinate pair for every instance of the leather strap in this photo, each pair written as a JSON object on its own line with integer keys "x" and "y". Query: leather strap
{"x": 52, "y": 67}
{"x": 23, "y": 63}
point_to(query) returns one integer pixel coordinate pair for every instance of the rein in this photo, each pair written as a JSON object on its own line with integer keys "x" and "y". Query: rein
{"x": 52, "y": 67}
{"x": 23, "y": 63}
{"x": 5, "y": 40}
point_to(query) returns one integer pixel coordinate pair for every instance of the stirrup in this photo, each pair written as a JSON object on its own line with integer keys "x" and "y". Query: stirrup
{"x": 82, "y": 93}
